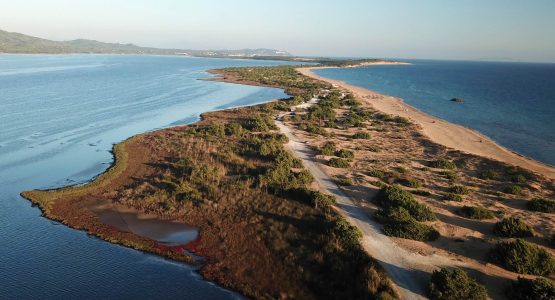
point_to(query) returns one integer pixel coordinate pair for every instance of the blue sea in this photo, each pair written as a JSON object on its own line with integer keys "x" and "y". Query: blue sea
{"x": 512, "y": 103}
{"x": 59, "y": 117}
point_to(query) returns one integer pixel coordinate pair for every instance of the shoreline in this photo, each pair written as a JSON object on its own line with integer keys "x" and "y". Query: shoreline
{"x": 439, "y": 130}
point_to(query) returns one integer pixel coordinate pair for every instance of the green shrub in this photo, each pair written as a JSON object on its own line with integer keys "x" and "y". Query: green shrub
{"x": 411, "y": 230}
{"x": 376, "y": 173}
{"x": 513, "y": 227}
{"x": 411, "y": 182}
{"x": 315, "y": 129}
{"x": 531, "y": 289}
{"x": 261, "y": 124}
{"x": 320, "y": 199}
{"x": 454, "y": 285}
{"x": 522, "y": 257}
{"x": 361, "y": 136}
{"x": 513, "y": 189}
{"x": 488, "y": 175}
{"x": 328, "y": 149}
{"x": 344, "y": 153}
{"x": 234, "y": 129}
{"x": 344, "y": 181}
{"x": 444, "y": 164}
{"x": 459, "y": 190}
{"x": 374, "y": 149}
{"x": 348, "y": 234}
{"x": 452, "y": 197}
{"x": 451, "y": 176}
{"x": 338, "y": 163}
{"x": 421, "y": 192}
{"x": 476, "y": 213}
{"x": 519, "y": 178}
{"x": 394, "y": 196}
{"x": 402, "y": 121}
{"x": 542, "y": 205}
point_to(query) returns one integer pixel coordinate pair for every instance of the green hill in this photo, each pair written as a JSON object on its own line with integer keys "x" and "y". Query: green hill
{"x": 12, "y": 42}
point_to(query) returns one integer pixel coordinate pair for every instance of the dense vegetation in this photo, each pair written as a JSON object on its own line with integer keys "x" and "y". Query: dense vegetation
{"x": 541, "y": 205}
{"x": 513, "y": 227}
{"x": 402, "y": 214}
{"x": 532, "y": 289}
{"x": 455, "y": 285}
{"x": 522, "y": 257}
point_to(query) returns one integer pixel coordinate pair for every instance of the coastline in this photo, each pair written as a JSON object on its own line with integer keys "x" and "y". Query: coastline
{"x": 438, "y": 130}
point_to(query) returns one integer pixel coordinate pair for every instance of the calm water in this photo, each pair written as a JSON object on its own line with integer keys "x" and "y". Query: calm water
{"x": 513, "y": 103}
{"x": 59, "y": 116}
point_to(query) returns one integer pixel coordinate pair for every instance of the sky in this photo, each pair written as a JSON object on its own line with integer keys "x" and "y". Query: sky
{"x": 514, "y": 30}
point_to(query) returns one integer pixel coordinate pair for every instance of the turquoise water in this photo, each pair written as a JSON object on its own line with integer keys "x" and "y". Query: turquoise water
{"x": 512, "y": 103}
{"x": 59, "y": 116}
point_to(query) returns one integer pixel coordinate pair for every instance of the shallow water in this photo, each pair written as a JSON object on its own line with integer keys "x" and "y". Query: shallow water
{"x": 59, "y": 116}
{"x": 512, "y": 103}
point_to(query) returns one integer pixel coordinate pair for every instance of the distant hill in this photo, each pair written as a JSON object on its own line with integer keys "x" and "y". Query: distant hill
{"x": 12, "y": 42}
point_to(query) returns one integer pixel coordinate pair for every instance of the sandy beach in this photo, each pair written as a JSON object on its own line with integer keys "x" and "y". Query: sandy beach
{"x": 438, "y": 130}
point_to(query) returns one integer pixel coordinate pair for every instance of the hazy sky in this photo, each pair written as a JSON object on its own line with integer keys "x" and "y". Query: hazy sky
{"x": 444, "y": 29}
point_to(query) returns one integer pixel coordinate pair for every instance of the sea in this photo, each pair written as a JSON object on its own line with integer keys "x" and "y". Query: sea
{"x": 512, "y": 103}
{"x": 59, "y": 117}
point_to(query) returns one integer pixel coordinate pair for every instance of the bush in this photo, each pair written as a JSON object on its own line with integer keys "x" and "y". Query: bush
{"x": 394, "y": 196}
{"x": 374, "y": 149}
{"x": 453, "y": 197}
{"x": 528, "y": 289}
{"x": 348, "y": 234}
{"x": 411, "y": 182}
{"x": 344, "y": 181}
{"x": 519, "y": 178}
{"x": 444, "y": 164}
{"x": 488, "y": 175}
{"x": 344, "y": 153}
{"x": 320, "y": 199}
{"x": 361, "y": 136}
{"x": 459, "y": 190}
{"x": 261, "y": 124}
{"x": 338, "y": 163}
{"x": 513, "y": 189}
{"x": 376, "y": 173}
{"x": 315, "y": 129}
{"x": 328, "y": 149}
{"x": 421, "y": 192}
{"x": 513, "y": 227}
{"x": 542, "y": 205}
{"x": 234, "y": 129}
{"x": 476, "y": 213}
{"x": 522, "y": 257}
{"x": 451, "y": 176}
{"x": 454, "y": 285}
{"x": 411, "y": 230}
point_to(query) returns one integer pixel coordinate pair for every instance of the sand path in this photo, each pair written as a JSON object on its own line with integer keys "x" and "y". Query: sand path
{"x": 440, "y": 131}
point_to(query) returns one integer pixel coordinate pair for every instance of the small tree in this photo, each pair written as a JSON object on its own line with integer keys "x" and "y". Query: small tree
{"x": 528, "y": 289}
